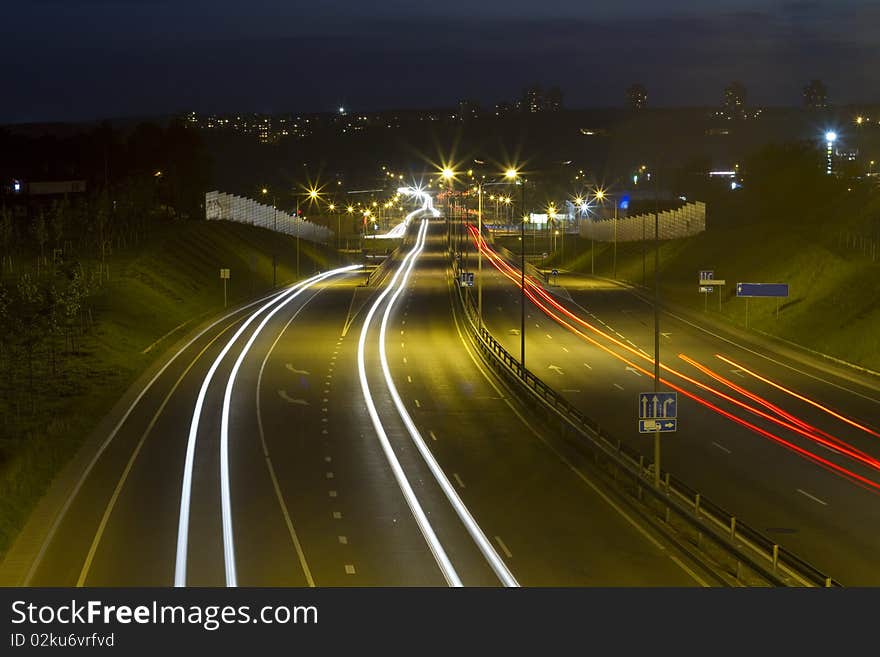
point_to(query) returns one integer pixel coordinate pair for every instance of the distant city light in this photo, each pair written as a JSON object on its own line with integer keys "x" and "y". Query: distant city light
{"x": 341, "y": 109}
{"x": 16, "y": 186}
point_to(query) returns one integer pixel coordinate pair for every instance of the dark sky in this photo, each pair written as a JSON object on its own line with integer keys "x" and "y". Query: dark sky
{"x": 86, "y": 59}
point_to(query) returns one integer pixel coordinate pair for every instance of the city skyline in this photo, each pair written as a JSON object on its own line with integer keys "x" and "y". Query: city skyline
{"x": 89, "y": 60}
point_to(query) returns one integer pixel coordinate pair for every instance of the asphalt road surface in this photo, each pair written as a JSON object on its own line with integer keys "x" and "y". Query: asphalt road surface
{"x": 253, "y": 459}
{"x": 805, "y": 477}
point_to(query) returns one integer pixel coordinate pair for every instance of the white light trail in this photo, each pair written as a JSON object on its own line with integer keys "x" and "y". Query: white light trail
{"x": 400, "y": 229}
{"x": 186, "y": 487}
{"x": 421, "y": 518}
{"x": 495, "y": 561}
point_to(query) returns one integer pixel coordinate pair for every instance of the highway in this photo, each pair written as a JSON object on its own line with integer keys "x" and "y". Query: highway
{"x": 288, "y": 444}
{"x": 789, "y": 446}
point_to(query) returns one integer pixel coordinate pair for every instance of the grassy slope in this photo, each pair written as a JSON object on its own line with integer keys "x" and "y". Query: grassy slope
{"x": 834, "y": 303}
{"x": 173, "y": 279}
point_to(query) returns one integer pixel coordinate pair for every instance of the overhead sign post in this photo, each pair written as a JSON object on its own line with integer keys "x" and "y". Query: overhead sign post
{"x": 708, "y": 282}
{"x": 658, "y": 413}
{"x": 224, "y": 274}
{"x": 749, "y": 290}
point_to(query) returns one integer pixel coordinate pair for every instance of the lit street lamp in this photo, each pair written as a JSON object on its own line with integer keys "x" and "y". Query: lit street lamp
{"x": 830, "y": 138}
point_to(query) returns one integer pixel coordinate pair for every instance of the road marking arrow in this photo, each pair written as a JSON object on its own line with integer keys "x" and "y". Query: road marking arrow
{"x": 633, "y": 370}
{"x": 296, "y": 371}
{"x": 666, "y": 335}
{"x": 738, "y": 373}
{"x": 556, "y": 369}
{"x": 283, "y": 394}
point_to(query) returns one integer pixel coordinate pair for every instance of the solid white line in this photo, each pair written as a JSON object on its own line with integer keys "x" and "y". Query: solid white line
{"x": 812, "y": 497}
{"x": 225, "y": 487}
{"x": 62, "y": 513}
{"x": 503, "y": 547}
{"x": 412, "y": 501}
{"x": 721, "y": 447}
{"x": 495, "y": 561}
{"x": 186, "y": 487}
{"x": 117, "y": 491}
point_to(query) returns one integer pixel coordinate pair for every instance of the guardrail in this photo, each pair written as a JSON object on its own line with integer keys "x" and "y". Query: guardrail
{"x": 715, "y": 531}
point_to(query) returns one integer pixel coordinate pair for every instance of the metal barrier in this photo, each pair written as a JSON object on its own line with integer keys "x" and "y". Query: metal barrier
{"x": 708, "y": 523}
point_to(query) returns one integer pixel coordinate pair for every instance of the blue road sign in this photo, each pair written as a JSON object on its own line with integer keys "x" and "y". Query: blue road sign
{"x": 555, "y": 272}
{"x": 762, "y": 289}
{"x": 654, "y": 405}
{"x": 653, "y": 426}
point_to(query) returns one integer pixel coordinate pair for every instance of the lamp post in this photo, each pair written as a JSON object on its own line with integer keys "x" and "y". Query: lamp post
{"x": 601, "y": 195}
{"x": 275, "y": 228}
{"x": 510, "y": 175}
{"x": 513, "y": 176}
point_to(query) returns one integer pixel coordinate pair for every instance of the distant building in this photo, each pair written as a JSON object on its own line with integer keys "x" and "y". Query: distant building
{"x": 468, "y": 109}
{"x": 816, "y": 95}
{"x": 534, "y": 100}
{"x": 637, "y": 96}
{"x": 734, "y": 101}
{"x": 502, "y": 109}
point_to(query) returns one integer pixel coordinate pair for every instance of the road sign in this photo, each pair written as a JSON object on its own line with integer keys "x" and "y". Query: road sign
{"x": 653, "y": 426}
{"x": 224, "y": 273}
{"x": 555, "y": 272}
{"x": 658, "y": 405}
{"x": 706, "y": 290}
{"x": 467, "y": 279}
{"x": 713, "y": 281}
{"x": 762, "y": 289}
{"x": 706, "y": 274}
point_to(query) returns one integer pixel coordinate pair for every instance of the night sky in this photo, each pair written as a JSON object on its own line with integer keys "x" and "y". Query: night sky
{"x": 86, "y": 59}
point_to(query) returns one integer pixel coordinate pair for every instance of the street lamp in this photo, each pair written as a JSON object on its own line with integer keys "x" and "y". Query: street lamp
{"x": 601, "y": 195}
{"x": 513, "y": 176}
{"x": 480, "y": 184}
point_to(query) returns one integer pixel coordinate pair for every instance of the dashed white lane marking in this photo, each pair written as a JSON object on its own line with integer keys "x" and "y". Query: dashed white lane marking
{"x": 401, "y": 332}
{"x": 570, "y": 390}
{"x": 721, "y": 447}
{"x": 418, "y": 405}
{"x": 644, "y": 352}
{"x": 337, "y": 515}
{"x": 329, "y": 475}
{"x": 812, "y": 497}
{"x": 458, "y": 479}
{"x": 618, "y": 386}
{"x": 332, "y": 493}
{"x": 349, "y": 569}
{"x": 587, "y": 366}
{"x": 549, "y": 337}
{"x": 565, "y": 349}
{"x": 402, "y": 345}
{"x": 343, "y": 540}
{"x": 328, "y": 459}
{"x": 404, "y": 360}
{"x": 433, "y": 437}
{"x": 503, "y": 547}
{"x": 408, "y": 378}
{"x": 632, "y": 344}
{"x": 290, "y": 400}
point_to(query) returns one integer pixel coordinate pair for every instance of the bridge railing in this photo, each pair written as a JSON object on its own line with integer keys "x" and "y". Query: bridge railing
{"x": 735, "y": 546}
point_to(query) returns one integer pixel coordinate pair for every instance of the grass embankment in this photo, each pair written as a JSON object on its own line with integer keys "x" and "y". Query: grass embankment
{"x": 171, "y": 280}
{"x": 834, "y": 302}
